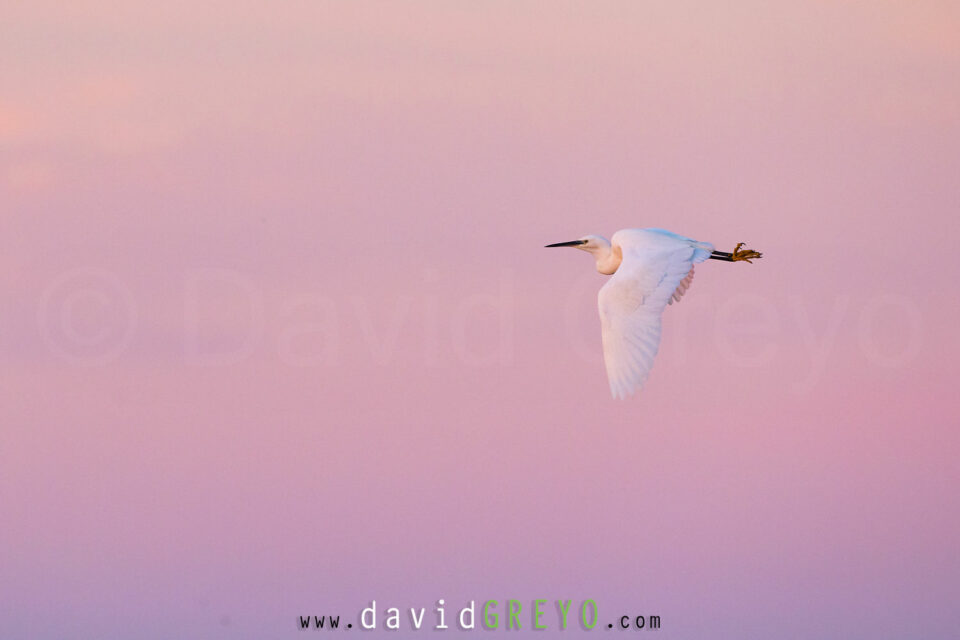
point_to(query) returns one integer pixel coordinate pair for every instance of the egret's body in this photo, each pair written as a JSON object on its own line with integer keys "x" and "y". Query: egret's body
{"x": 651, "y": 268}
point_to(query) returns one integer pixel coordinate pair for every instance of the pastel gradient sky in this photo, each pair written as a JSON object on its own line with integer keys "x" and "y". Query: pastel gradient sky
{"x": 278, "y": 336}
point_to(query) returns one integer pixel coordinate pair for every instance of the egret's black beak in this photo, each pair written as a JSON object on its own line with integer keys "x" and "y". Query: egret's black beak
{"x": 572, "y": 243}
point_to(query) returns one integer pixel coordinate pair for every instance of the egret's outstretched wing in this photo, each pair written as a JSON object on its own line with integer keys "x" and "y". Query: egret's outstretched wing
{"x": 632, "y": 302}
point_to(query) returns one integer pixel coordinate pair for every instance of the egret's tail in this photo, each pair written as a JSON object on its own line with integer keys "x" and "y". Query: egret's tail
{"x": 702, "y": 251}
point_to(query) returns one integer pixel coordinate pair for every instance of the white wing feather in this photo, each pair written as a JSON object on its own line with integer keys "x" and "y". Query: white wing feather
{"x": 657, "y": 268}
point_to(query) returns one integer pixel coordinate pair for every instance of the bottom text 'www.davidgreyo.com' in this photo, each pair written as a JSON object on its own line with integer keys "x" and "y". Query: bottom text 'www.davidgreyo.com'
{"x": 490, "y": 615}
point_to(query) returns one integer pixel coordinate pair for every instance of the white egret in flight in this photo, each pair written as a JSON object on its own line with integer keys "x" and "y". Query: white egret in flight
{"x": 651, "y": 268}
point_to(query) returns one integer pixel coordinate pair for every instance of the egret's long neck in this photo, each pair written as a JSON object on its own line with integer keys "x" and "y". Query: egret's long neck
{"x": 608, "y": 259}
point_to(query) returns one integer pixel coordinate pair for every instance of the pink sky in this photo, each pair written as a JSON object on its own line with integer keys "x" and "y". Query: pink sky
{"x": 278, "y": 336}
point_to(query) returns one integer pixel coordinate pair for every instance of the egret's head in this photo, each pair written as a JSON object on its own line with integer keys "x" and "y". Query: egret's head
{"x": 608, "y": 259}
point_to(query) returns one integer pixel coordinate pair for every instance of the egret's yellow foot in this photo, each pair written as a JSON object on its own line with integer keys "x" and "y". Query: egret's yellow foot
{"x": 748, "y": 255}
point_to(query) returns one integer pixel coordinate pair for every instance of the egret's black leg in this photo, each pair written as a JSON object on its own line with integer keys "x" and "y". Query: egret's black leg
{"x": 721, "y": 255}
